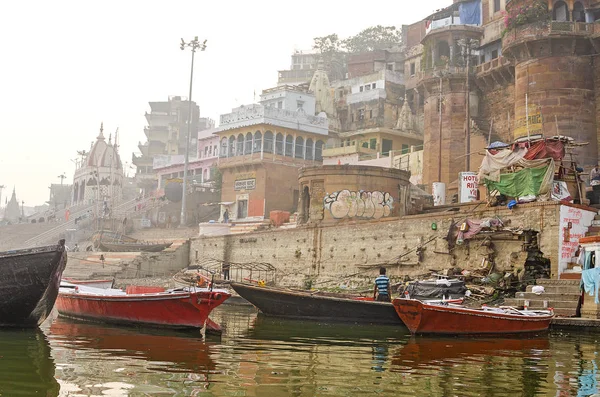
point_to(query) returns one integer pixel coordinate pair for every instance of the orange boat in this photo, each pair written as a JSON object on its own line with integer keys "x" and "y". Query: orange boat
{"x": 443, "y": 318}
{"x": 183, "y": 308}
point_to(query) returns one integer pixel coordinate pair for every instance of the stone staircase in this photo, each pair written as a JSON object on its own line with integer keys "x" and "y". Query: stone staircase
{"x": 561, "y": 295}
{"x": 125, "y": 209}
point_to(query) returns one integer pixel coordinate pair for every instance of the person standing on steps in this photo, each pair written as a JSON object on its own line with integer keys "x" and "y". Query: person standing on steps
{"x": 381, "y": 291}
{"x": 226, "y": 216}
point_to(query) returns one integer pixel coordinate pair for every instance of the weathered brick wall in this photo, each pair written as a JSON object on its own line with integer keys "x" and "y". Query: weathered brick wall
{"x": 498, "y": 104}
{"x": 336, "y": 253}
{"x": 562, "y": 88}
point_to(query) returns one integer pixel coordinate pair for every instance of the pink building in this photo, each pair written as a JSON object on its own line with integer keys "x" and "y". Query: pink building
{"x": 200, "y": 162}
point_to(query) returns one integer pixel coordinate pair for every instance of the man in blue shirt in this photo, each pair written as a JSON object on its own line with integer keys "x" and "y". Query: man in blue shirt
{"x": 381, "y": 291}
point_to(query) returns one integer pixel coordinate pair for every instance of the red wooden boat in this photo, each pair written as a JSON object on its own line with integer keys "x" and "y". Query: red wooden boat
{"x": 183, "y": 308}
{"x": 442, "y": 318}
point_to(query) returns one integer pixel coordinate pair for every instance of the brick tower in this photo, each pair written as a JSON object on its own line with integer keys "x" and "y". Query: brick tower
{"x": 556, "y": 73}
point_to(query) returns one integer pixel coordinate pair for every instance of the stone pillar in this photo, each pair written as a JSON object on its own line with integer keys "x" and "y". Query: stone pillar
{"x": 561, "y": 88}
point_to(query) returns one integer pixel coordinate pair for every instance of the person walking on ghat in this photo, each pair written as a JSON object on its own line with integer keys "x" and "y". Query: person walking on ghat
{"x": 225, "y": 270}
{"x": 381, "y": 291}
{"x": 226, "y": 216}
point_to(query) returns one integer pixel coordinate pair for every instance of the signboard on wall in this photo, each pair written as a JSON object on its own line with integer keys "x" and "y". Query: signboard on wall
{"x": 534, "y": 125}
{"x": 245, "y": 184}
{"x": 574, "y": 223}
{"x": 467, "y": 187}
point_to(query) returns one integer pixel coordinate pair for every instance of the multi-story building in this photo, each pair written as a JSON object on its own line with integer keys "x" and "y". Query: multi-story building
{"x": 200, "y": 162}
{"x": 304, "y": 64}
{"x": 375, "y": 119}
{"x": 166, "y": 135}
{"x": 261, "y": 148}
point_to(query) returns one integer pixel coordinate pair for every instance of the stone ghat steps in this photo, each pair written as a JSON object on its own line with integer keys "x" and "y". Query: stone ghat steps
{"x": 561, "y": 295}
{"x": 558, "y": 289}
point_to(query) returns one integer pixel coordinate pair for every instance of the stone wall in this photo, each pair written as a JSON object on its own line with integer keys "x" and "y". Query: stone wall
{"x": 350, "y": 251}
{"x": 497, "y": 104}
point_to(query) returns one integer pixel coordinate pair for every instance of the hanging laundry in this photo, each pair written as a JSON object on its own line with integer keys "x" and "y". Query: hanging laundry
{"x": 590, "y": 280}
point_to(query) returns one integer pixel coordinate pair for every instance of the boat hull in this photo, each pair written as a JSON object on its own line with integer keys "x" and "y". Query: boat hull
{"x": 423, "y": 318}
{"x": 176, "y": 310}
{"x": 29, "y": 282}
{"x": 303, "y": 305}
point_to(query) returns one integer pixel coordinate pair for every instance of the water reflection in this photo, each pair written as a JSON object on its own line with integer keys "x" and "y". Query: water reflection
{"x": 26, "y": 365}
{"x": 258, "y": 356}
{"x": 183, "y": 352}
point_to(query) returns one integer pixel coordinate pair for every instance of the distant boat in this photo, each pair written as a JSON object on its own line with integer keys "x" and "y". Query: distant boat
{"x": 132, "y": 247}
{"x": 29, "y": 283}
{"x": 109, "y": 241}
{"x": 443, "y": 318}
{"x": 314, "y": 306}
{"x": 185, "y": 308}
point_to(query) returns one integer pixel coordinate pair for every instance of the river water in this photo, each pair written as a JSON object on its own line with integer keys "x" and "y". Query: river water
{"x": 262, "y": 356}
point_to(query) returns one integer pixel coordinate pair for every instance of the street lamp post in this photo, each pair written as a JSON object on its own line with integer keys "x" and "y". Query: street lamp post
{"x": 468, "y": 45}
{"x": 194, "y": 45}
{"x": 440, "y": 74}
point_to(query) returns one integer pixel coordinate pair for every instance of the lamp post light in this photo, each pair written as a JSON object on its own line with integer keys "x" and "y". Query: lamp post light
{"x": 440, "y": 74}
{"x": 468, "y": 45}
{"x": 194, "y": 45}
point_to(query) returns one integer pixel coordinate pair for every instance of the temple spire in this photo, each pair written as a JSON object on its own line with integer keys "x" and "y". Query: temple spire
{"x": 100, "y": 136}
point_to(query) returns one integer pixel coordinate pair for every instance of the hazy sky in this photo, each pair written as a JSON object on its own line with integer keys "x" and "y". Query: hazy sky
{"x": 67, "y": 66}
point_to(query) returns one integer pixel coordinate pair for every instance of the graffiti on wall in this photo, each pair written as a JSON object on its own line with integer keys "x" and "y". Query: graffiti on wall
{"x": 361, "y": 204}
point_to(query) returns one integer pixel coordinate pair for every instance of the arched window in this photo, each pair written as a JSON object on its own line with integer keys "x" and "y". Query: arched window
{"x": 232, "y": 144}
{"x": 309, "y": 149}
{"x": 279, "y": 144}
{"x": 578, "y": 12}
{"x": 289, "y": 145}
{"x": 205, "y": 175}
{"x": 257, "y": 142}
{"x": 560, "y": 11}
{"x": 268, "y": 145}
{"x": 248, "y": 146}
{"x": 319, "y": 150}
{"x": 240, "y": 145}
{"x": 299, "y": 148}
{"x": 224, "y": 147}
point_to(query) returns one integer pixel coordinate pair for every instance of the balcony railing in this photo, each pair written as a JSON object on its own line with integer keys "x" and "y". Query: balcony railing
{"x": 492, "y": 65}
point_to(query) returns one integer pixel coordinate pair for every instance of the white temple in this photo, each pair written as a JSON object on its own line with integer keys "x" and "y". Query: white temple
{"x": 99, "y": 173}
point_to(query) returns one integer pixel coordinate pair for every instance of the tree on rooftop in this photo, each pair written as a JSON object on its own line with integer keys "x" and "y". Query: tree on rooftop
{"x": 332, "y": 55}
{"x": 373, "y": 39}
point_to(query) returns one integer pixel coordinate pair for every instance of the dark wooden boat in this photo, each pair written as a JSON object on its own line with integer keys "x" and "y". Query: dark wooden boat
{"x": 29, "y": 282}
{"x": 443, "y": 318}
{"x": 311, "y": 306}
{"x": 132, "y": 247}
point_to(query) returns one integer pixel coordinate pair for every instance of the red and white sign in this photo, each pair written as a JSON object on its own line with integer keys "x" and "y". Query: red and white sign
{"x": 467, "y": 187}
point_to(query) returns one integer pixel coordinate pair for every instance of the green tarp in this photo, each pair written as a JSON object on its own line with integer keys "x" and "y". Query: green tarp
{"x": 526, "y": 182}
